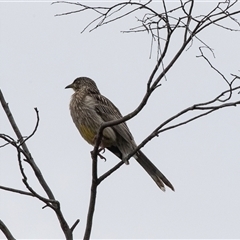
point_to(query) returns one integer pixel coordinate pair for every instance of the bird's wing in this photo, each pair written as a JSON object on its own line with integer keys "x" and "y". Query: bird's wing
{"x": 108, "y": 112}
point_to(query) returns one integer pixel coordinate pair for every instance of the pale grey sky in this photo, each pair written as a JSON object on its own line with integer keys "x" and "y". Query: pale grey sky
{"x": 40, "y": 54}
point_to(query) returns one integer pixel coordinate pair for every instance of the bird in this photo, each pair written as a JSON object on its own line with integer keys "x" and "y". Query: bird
{"x": 89, "y": 109}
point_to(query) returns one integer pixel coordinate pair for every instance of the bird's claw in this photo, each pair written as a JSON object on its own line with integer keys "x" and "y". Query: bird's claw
{"x": 101, "y": 150}
{"x": 100, "y": 155}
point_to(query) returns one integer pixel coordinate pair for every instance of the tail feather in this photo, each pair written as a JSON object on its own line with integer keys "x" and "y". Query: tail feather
{"x": 153, "y": 171}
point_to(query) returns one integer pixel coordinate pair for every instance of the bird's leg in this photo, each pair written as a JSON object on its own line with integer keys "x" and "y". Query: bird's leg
{"x": 99, "y": 154}
{"x": 100, "y": 149}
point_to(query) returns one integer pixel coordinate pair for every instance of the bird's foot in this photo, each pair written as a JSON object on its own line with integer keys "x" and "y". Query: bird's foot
{"x": 100, "y": 155}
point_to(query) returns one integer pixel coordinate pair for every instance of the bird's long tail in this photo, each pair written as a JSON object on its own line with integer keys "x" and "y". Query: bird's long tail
{"x": 152, "y": 170}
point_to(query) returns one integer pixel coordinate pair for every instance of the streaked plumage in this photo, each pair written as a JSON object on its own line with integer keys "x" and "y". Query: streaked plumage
{"x": 89, "y": 109}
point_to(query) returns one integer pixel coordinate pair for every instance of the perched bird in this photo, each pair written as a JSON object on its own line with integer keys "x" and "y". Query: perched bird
{"x": 89, "y": 109}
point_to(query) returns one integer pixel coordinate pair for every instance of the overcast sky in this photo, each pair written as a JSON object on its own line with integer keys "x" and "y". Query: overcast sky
{"x": 40, "y": 54}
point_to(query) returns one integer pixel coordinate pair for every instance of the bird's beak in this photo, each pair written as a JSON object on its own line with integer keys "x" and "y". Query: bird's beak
{"x": 69, "y": 86}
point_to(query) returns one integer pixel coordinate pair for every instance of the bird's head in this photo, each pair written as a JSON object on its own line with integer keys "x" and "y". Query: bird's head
{"x": 83, "y": 82}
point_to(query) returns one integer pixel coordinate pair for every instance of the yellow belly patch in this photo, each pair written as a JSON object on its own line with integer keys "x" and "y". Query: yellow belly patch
{"x": 88, "y": 134}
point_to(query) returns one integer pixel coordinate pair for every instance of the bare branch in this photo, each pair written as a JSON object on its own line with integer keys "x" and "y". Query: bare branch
{"x": 74, "y": 225}
{"x": 46, "y": 201}
{"x": 109, "y": 172}
{"x": 189, "y": 17}
{"x": 35, "y": 129}
{"x": 22, "y": 149}
{"x": 25, "y": 148}
{"x": 208, "y": 61}
{"x": 222, "y": 17}
{"x": 93, "y": 194}
{"x": 162, "y": 25}
{"x": 6, "y": 231}
{"x": 205, "y": 106}
{"x": 17, "y": 191}
{"x": 7, "y": 138}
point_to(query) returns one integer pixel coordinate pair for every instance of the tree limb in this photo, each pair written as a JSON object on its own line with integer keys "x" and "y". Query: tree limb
{"x": 25, "y": 148}
{"x": 22, "y": 149}
{"x": 6, "y": 231}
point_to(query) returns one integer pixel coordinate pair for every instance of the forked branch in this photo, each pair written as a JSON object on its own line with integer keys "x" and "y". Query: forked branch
{"x": 23, "y": 151}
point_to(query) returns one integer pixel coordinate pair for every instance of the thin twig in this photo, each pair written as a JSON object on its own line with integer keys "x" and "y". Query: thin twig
{"x": 17, "y": 191}
{"x": 35, "y": 128}
{"x": 199, "y": 106}
{"x": 25, "y": 148}
{"x": 74, "y": 225}
{"x": 109, "y": 172}
{"x": 22, "y": 148}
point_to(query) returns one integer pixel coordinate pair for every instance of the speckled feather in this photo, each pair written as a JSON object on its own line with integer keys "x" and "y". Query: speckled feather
{"x": 89, "y": 109}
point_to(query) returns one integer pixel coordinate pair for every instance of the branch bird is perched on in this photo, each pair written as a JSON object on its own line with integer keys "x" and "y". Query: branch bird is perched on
{"x": 89, "y": 109}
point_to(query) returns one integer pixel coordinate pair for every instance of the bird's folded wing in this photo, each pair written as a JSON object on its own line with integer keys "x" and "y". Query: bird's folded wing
{"x": 109, "y": 112}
